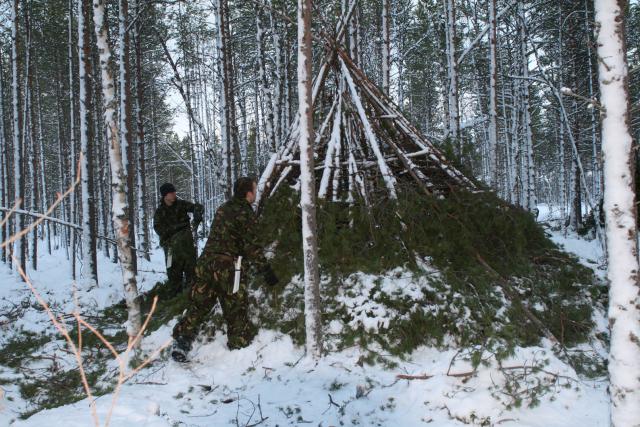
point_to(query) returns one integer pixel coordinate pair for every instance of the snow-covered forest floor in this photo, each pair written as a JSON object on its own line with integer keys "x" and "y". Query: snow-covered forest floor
{"x": 270, "y": 383}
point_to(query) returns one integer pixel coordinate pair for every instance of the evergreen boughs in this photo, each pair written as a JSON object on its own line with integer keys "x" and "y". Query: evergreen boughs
{"x": 446, "y": 246}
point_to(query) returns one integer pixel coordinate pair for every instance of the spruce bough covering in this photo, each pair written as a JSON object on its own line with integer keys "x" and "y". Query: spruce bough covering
{"x": 464, "y": 305}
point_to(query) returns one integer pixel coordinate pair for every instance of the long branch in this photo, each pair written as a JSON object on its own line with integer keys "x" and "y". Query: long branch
{"x": 44, "y": 217}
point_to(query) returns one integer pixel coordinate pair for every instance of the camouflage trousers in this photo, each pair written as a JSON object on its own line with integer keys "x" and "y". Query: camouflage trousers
{"x": 180, "y": 260}
{"x": 213, "y": 284}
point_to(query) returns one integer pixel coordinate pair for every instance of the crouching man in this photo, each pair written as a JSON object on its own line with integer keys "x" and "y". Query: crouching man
{"x": 232, "y": 245}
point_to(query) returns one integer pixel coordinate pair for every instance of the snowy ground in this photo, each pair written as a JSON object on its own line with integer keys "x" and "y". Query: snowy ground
{"x": 270, "y": 383}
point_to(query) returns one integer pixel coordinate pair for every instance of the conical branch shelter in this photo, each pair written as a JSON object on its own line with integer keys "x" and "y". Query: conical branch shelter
{"x": 363, "y": 144}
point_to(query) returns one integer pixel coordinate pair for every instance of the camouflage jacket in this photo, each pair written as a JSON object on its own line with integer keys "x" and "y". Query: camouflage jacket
{"x": 234, "y": 232}
{"x": 169, "y": 221}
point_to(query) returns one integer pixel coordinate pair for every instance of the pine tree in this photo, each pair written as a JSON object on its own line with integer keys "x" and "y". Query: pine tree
{"x": 313, "y": 325}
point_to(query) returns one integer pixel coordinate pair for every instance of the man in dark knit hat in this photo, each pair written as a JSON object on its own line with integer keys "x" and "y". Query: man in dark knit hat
{"x": 171, "y": 222}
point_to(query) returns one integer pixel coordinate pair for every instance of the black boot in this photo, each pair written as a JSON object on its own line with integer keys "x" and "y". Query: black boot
{"x": 180, "y": 350}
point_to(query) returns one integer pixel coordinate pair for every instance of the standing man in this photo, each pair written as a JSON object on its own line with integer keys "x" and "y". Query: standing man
{"x": 171, "y": 222}
{"x": 232, "y": 244}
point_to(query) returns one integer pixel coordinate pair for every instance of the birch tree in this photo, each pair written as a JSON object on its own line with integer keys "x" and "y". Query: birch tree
{"x": 453, "y": 128}
{"x": 620, "y": 211}
{"x": 126, "y": 140}
{"x": 118, "y": 180}
{"x": 143, "y": 222}
{"x": 265, "y": 89}
{"x": 313, "y": 325}
{"x": 386, "y": 46}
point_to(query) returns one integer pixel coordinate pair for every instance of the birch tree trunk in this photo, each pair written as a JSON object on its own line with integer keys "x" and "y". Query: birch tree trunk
{"x": 128, "y": 153}
{"x": 89, "y": 258}
{"x": 452, "y": 71}
{"x": 354, "y": 36}
{"x": 386, "y": 46}
{"x": 228, "y": 83}
{"x": 265, "y": 89}
{"x": 620, "y": 211}
{"x": 528, "y": 173}
{"x": 313, "y": 325}
{"x": 143, "y": 223}
{"x": 277, "y": 132}
{"x": 119, "y": 197}
{"x": 225, "y": 131}
{"x": 41, "y": 172}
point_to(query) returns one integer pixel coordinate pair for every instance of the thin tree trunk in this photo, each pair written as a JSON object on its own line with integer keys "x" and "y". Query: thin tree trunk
{"x": 41, "y": 171}
{"x": 265, "y": 89}
{"x": 529, "y": 167}
{"x": 452, "y": 72}
{"x": 225, "y": 125}
{"x": 30, "y": 135}
{"x": 62, "y": 170}
{"x": 19, "y": 250}
{"x": 72, "y": 166}
{"x": 89, "y": 256}
{"x": 128, "y": 153}
{"x": 595, "y": 162}
{"x": 386, "y": 46}
{"x": 143, "y": 222}
{"x": 620, "y": 211}
{"x": 313, "y": 325}
{"x": 119, "y": 202}
{"x": 4, "y": 166}
{"x": 354, "y": 37}
{"x": 493, "y": 114}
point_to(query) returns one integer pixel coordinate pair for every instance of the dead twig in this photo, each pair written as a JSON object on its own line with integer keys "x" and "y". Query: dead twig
{"x": 413, "y": 377}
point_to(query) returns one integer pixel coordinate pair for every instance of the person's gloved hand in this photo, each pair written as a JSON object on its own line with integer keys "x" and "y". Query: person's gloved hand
{"x": 270, "y": 277}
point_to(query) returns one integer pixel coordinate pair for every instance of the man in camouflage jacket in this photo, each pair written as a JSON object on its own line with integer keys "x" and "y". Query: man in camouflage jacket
{"x": 233, "y": 233}
{"x": 171, "y": 222}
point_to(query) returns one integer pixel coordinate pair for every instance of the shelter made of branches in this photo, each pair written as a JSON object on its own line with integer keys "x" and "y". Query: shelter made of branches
{"x": 364, "y": 142}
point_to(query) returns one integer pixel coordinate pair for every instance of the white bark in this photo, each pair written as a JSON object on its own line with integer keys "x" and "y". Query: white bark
{"x": 528, "y": 172}
{"x": 41, "y": 172}
{"x": 595, "y": 163}
{"x": 452, "y": 72}
{"x": 119, "y": 197}
{"x": 354, "y": 37}
{"x": 225, "y": 131}
{"x": 277, "y": 97}
{"x": 386, "y": 46}
{"x": 313, "y": 325}
{"x": 620, "y": 210}
{"x": 265, "y": 89}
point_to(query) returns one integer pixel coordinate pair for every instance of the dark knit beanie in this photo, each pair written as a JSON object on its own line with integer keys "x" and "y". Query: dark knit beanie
{"x": 167, "y": 188}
